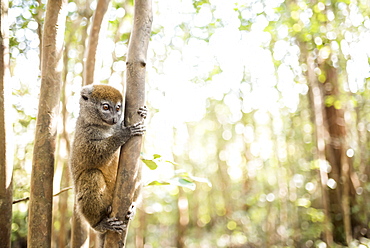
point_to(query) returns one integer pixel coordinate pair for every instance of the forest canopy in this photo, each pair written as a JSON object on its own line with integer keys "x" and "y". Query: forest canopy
{"x": 263, "y": 105}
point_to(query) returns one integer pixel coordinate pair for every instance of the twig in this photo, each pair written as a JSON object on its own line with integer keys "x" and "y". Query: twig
{"x": 27, "y": 198}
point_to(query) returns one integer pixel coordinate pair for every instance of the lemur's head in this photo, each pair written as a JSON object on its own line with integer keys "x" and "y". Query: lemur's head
{"x": 102, "y": 104}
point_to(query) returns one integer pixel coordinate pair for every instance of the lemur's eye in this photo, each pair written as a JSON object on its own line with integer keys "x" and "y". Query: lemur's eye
{"x": 118, "y": 107}
{"x": 105, "y": 106}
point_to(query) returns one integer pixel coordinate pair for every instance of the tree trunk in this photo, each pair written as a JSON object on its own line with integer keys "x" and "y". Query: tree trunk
{"x": 40, "y": 206}
{"x": 140, "y": 232}
{"x": 6, "y": 165}
{"x": 316, "y": 96}
{"x": 183, "y": 218}
{"x": 336, "y": 154}
{"x": 38, "y": 18}
{"x": 101, "y": 9}
{"x": 80, "y": 231}
{"x": 64, "y": 217}
{"x": 129, "y": 170}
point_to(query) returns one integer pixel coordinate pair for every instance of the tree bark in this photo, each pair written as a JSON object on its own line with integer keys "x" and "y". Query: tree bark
{"x": 6, "y": 165}
{"x": 129, "y": 171}
{"x": 40, "y": 207}
{"x": 101, "y": 9}
{"x": 336, "y": 150}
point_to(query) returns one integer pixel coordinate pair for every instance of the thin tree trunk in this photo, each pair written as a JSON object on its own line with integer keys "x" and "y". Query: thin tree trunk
{"x": 80, "y": 231}
{"x": 321, "y": 133}
{"x": 65, "y": 179}
{"x": 38, "y": 19}
{"x": 86, "y": 12}
{"x": 140, "y": 232}
{"x": 345, "y": 171}
{"x": 129, "y": 170}
{"x": 93, "y": 238}
{"x": 64, "y": 217}
{"x": 6, "y": 165}
{"x": 40, "y": 207}
{"x": 358, "y": 229}
{"x": 279, "y": 144}
{"x": 101, "y": 9}
{"x": 183, "y": 218}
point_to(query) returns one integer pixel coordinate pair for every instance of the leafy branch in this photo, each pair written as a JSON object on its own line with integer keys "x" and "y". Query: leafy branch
{"x": 180, "y": 177}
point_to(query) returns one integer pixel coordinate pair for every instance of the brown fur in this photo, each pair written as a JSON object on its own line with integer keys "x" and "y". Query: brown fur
{"x": 106, "y": 92}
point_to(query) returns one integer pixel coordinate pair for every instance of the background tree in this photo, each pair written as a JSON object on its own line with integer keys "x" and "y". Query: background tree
{"x": 41, "y": 194}
{"x": 92, "y": 45}
{"x": 321, "y": 52}
{"x": 6, "y": 161}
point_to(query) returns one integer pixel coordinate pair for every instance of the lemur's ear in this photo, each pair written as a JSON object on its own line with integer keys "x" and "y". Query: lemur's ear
{"x": 86, "y": 91}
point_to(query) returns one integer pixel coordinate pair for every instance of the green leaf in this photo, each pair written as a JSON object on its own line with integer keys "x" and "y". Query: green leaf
{"x": 176, "y": 181}
{"x": 153, "y": 183}
{"x": 184, "y": 174}
{"x": 150, "y": 163}
{"x": 155, "y": 156}
{"x": 181, "y": 177}
{"x": 182, "y": 182}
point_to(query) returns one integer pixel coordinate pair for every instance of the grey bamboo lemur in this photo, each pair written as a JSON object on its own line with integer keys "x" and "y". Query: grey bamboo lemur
{"x": 99, "y": 134}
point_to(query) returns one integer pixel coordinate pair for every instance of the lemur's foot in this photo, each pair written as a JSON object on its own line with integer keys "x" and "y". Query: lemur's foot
{"x": 143, "y": 111}
{"x": 131, "y": 211}
{"x": 137, "y": 129}
{"x": 110, "y": 224}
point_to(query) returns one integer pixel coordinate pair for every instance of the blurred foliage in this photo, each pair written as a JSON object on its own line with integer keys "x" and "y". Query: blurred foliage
{"x": 229, "y": 101}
